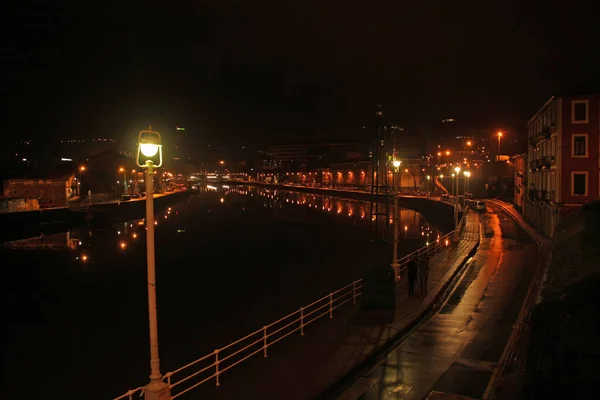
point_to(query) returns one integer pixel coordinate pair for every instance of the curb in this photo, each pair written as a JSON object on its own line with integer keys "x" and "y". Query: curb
{"x": 345, "y": 382}
{"x": 539, "y": 280}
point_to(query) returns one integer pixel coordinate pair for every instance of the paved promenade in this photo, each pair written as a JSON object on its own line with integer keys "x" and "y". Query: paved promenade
{"x": 316, "y": 365}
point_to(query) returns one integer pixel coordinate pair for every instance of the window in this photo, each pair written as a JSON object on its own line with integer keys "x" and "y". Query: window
{"x": 579, "y": 145}
{"x": 579, "y": 111}
{"x": 579, "y": 183}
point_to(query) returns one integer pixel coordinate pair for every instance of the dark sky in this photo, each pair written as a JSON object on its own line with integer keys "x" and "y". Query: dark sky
{"x": 269, "y": 71}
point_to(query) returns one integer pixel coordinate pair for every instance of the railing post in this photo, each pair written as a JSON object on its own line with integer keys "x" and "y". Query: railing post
{"x": 265, "y": 341}
{"x": 330, "y": 305}
{"x": 217, "y": 373}
{"x": 354, "y": 293}
{"x": 301, "y": 321}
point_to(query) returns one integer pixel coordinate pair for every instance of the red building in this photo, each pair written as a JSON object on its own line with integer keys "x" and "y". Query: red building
{"x": 563, "y": 159}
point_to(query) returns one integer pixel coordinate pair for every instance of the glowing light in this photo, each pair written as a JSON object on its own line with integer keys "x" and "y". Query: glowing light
{"x": 397, "y": 163}
{"x": 134, "y": 235}
{"x": 84, "y": 257}
{"x": 123, "y": 245}
{"x": 222, "y": 200}
{"x": 149, "y": 149}
{"x": 155, "y": 222}
{"x": 447, "y": 152}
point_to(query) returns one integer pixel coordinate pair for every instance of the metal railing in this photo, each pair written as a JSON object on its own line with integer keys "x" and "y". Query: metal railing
{"x": 214, "y": 364}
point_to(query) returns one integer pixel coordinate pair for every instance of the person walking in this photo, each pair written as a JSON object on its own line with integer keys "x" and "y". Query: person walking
{"x": 424, "y": 273}
{"x": 413, "y": 270}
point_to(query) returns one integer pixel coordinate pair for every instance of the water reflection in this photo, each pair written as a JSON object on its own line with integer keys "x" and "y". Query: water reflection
{"x": 87, "y": 244}
{"x": 411, "y": 223}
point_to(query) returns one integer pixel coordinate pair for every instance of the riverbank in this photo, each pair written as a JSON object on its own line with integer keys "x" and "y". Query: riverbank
{"x": 25, "y": 224}
{"x": 438, "y": 213}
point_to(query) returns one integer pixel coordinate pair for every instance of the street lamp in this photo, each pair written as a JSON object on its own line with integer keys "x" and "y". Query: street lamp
{"x": 428, "y": 188}
{"x": 457, "y": 170}
{"x": 499, "y": 138}
{"x": 395, "y": 265}
{"x": 124, "y": 171}
{"x": 149, "y": 156}
{"x": 468, "y": 175}
{"x": 81, "y": 169}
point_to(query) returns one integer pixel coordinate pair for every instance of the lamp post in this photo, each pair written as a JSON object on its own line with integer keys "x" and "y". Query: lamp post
{"x": 457, "y": 170}
{"x": 149, "y": 156}
{"x": 124, "y": 171}
{"x": 81, "y": 169}
{"x": 467, "y": 176}
{"x": 499, "y": 138}
{"x": 428, "y": 188}
{"x": 453, "y": 192}
{"x": 395, "y": 264}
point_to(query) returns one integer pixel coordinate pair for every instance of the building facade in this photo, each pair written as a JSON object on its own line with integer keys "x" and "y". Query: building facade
{"x": 520, "y": 181}
{"x": 55, "y": 187}
{"x": 563, "y": 157}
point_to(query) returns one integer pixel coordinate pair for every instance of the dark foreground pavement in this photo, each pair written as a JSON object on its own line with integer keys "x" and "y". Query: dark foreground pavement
{"x": 318, "y": 364}
{"x": 456, "y": 351}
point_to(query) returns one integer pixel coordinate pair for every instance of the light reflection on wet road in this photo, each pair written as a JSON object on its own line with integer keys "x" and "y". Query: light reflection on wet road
{"x": 458, "y": 348}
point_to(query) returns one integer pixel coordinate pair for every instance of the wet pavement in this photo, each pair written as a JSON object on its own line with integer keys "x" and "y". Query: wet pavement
{"x": 457, "y": 350}
{"x": 318, "y": 364}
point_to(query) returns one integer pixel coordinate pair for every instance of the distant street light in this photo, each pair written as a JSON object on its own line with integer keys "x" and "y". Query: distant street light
{"x": 447, "y": 152}
{"x": 149, "y": 156}
{"x": 499, "y": 139}
{"x": 222, "y": 162}
{"x": 428, "y": 181}
{"x": 395, "y": 264}
{"x": 457, "y": 170}
{"x": 81, "y": 169}
{"x": 468, "y": 175}
{"x": 124, "y": 171}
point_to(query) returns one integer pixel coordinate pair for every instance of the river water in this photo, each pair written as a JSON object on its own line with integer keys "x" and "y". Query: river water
{"x": 229, "y": 261}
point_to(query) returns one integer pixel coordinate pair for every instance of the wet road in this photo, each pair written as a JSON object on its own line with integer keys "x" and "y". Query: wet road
{"x": 455, "y": 352}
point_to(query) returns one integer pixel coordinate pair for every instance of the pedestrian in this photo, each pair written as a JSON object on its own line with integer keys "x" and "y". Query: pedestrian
{"x": 413, "y": 270}
{"x": 424, "y": 273}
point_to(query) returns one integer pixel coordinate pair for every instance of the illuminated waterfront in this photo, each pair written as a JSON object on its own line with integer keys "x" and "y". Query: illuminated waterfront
{"x": 228, "y": 261}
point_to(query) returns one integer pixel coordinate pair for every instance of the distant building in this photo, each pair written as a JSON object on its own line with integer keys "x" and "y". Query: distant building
{"x": 563, "y": 158}
{"x": 57, "y": 187}
{"x": 318, "y": 153}
{"x": 520, "y": 186}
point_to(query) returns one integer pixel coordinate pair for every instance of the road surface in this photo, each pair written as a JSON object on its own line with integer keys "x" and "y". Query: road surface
{"x": 455, "y": 352}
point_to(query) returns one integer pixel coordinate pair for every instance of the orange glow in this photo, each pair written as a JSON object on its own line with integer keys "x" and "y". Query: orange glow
{"x": 221, "y": 162}
{"x": 82, "y": 168}
{"x": 121, "y": 169}
{"x": 84, "y": 257}
{"x": 499, "y": 134}
{"x": 439, "y": 153}
{"x": 447, "y": 242}
{"x": 469, "y": 143}
{"x": 123, "y": 245}
{"x": 134, "y": 235}
{"x": 447, "y": 152}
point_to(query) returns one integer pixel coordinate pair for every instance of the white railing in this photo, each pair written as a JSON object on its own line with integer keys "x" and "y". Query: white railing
{"x": 213, "y": 364}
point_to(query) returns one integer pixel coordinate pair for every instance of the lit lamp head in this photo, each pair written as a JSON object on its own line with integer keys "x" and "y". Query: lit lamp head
{"x": 149, "y": 148}
{"x": 397, "y": 163}
{"x": 457, "y": 170}
{"x": 467, "y": 174}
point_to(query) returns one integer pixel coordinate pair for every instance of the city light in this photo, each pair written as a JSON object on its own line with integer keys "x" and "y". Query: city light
{"x": 82, "y": 168}
{"x": 447, "y": 152}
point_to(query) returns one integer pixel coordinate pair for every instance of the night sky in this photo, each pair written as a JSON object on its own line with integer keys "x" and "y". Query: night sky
{"x": 271, "y": 71}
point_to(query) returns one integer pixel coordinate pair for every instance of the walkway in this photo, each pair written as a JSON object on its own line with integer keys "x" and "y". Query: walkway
{"x": 458, "y": 350}
{"x": 313, "y": 366}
